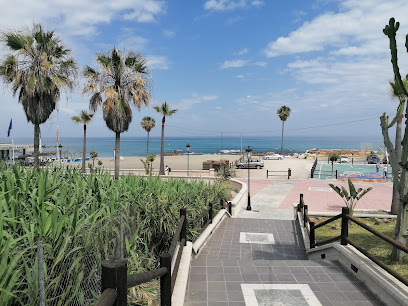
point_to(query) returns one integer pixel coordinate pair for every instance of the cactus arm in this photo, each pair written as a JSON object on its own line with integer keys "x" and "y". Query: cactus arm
{"x": 388, "y": 143}
{"x": 400, "y": 111}
{"x": 391, "y": 30}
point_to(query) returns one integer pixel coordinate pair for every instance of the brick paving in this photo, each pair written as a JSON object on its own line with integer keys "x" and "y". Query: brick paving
{"x": 226, "y": 270}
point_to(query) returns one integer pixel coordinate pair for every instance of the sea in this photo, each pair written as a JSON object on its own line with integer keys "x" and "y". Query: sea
{"x": 136, "y": 146}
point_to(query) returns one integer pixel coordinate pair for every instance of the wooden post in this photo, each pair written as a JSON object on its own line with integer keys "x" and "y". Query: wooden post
{"x": 183, "y": 233}
{"x": 210, "y": 212}
{"x": 289, "y": 173}
{"x": 267, "y": 173}
{"x": 304, "y": 215}
{"x": 312, "y": 235}
{"x": 230, "y": 207}
{"x": 344, "y": 225}
{"x": 114, "y": 275}
{"x": 165, "y": 280}
{"x": 300, "y": 206}
{"x": 336, "y": 174}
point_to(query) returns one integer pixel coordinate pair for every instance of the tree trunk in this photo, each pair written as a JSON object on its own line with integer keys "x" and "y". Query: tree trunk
{"x": 117, "y": 155}
{"x": 283, "y": 126}
{"x": 36, "y": 145}
{"x": 147, "y": 145}
{"x": 161, "y": 172}
{"x": 395, "y": 186}
{"x": 84, "y": 151}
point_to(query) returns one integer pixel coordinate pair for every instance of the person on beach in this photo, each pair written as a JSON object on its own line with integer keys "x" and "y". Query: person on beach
{"x": 377, "y": 166}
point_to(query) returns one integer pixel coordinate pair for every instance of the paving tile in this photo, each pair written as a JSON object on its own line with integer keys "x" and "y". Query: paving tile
{"x": 217, "y": 296}
{"x": 235, "y": 296}
{"x": 224, "y": 264}
{"x": 217, "y": 285}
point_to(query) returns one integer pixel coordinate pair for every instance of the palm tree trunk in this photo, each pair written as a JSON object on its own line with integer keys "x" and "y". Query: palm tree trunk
{"x": 117, "y": 155}
{"x": 147, "y": 146}
{"x": 84, "y": 150}
{"x": 161, "y": 172}
{"x": 36, "y": 145}
{"x": 395, "y": 186}
{"x": 283, "y": 126}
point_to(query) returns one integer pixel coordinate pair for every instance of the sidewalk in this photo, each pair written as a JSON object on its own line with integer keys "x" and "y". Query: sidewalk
{"x": 258, "y": 259}
{"x": 241, "y": 266}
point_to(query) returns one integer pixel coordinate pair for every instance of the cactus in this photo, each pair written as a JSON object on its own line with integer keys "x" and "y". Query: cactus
{"x": 401, "y": 228}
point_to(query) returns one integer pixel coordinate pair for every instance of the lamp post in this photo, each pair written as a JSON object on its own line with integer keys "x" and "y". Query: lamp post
{"x": 188, "y": 159}
{"x": 248, "y": 152}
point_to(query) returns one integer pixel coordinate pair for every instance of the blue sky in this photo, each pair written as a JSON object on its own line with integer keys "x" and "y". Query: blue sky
{"x": 228, "y": 65}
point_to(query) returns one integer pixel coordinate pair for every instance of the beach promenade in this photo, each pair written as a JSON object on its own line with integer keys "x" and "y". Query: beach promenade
{"x": 258, "y": 258}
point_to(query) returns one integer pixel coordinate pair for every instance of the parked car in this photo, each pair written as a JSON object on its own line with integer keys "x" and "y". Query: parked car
{"x": 373, "y": 159}
{"x": 273, "y": 156}
{"x": 344, "y": 159}
{"x": 253, "y": 163}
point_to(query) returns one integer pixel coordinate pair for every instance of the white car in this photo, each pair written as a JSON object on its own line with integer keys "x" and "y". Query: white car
{"x": 273, "y": 156}
{"x": 344, "y": 159}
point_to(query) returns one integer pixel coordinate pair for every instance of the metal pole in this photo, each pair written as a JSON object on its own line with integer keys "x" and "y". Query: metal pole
{"x": 188, "y": 163}
{"x": 249, "y": 150}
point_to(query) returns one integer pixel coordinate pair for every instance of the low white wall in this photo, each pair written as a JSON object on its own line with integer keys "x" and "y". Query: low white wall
{"x": 241, "y": 199}
{"x": 386, "y": 287}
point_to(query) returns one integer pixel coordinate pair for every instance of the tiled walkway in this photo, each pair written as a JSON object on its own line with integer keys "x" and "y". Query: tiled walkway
{"x": 273, "y": 271}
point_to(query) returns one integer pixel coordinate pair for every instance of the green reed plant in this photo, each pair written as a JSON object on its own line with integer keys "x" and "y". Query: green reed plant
{"x": 78, "y": 216}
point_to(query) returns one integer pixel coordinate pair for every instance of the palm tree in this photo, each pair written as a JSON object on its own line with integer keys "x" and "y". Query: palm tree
{"x": 37, "y": 68}
{"x": 397, "y": 93}
{"x": 121, "y": 79}
{"x": 148, "y": 123}
{"x": 84, "y": 118}
{"x": 283, "y": 113}
{"x": 165, "y": 110}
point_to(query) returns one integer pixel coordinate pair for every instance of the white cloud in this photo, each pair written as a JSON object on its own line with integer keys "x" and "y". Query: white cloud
{"x": 241, "y": 52}
{"x": 233, "y": 64}
{"x": 356, "y": 24}
{"x": 169, "y": 33}
{"x": 78, "y": 17}
{"x": 195, "y": 99}
{"x": 240, "y": 76}
{"x": 261, "y": 64}
{"x": 158, "y": 62}
{"x": 228, "y": 5}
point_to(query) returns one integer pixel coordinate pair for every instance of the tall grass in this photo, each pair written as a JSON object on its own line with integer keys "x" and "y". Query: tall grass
{"x": 77, "y": 218}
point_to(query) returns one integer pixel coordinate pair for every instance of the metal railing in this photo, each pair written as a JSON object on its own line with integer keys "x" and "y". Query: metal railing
{"x": 332, "y": 174}
{"x": 343, "y": 237}
{"x": 313, "y": 168}
{"x": 287, "y": 173}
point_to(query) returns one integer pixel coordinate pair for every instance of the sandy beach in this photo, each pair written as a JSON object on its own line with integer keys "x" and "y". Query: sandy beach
{"x": 300, "y": 167}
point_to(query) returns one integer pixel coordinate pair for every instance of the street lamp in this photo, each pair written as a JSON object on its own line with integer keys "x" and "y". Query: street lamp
{"x": 248, "y": 152}
{"x": 188, "y": 159}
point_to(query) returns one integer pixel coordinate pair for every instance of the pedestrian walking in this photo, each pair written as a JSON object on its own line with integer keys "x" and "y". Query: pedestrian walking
{"x": 377, "y": 166}
{"x": 385, "y": 172}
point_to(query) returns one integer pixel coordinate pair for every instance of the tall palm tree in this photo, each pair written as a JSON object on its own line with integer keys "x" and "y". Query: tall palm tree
{"x": 283, "y": 113}
{"x": 122, "y": 79}
{"x": 83, "y": 118}
{"x": 164, "y": 110}
{"x": 148, "y": 123}
{"x": 37, "y": 68}
{"x": 397, "y": 93}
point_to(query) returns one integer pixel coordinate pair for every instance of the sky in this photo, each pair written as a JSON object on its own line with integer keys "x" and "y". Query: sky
{"x": 227, "y": 65}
